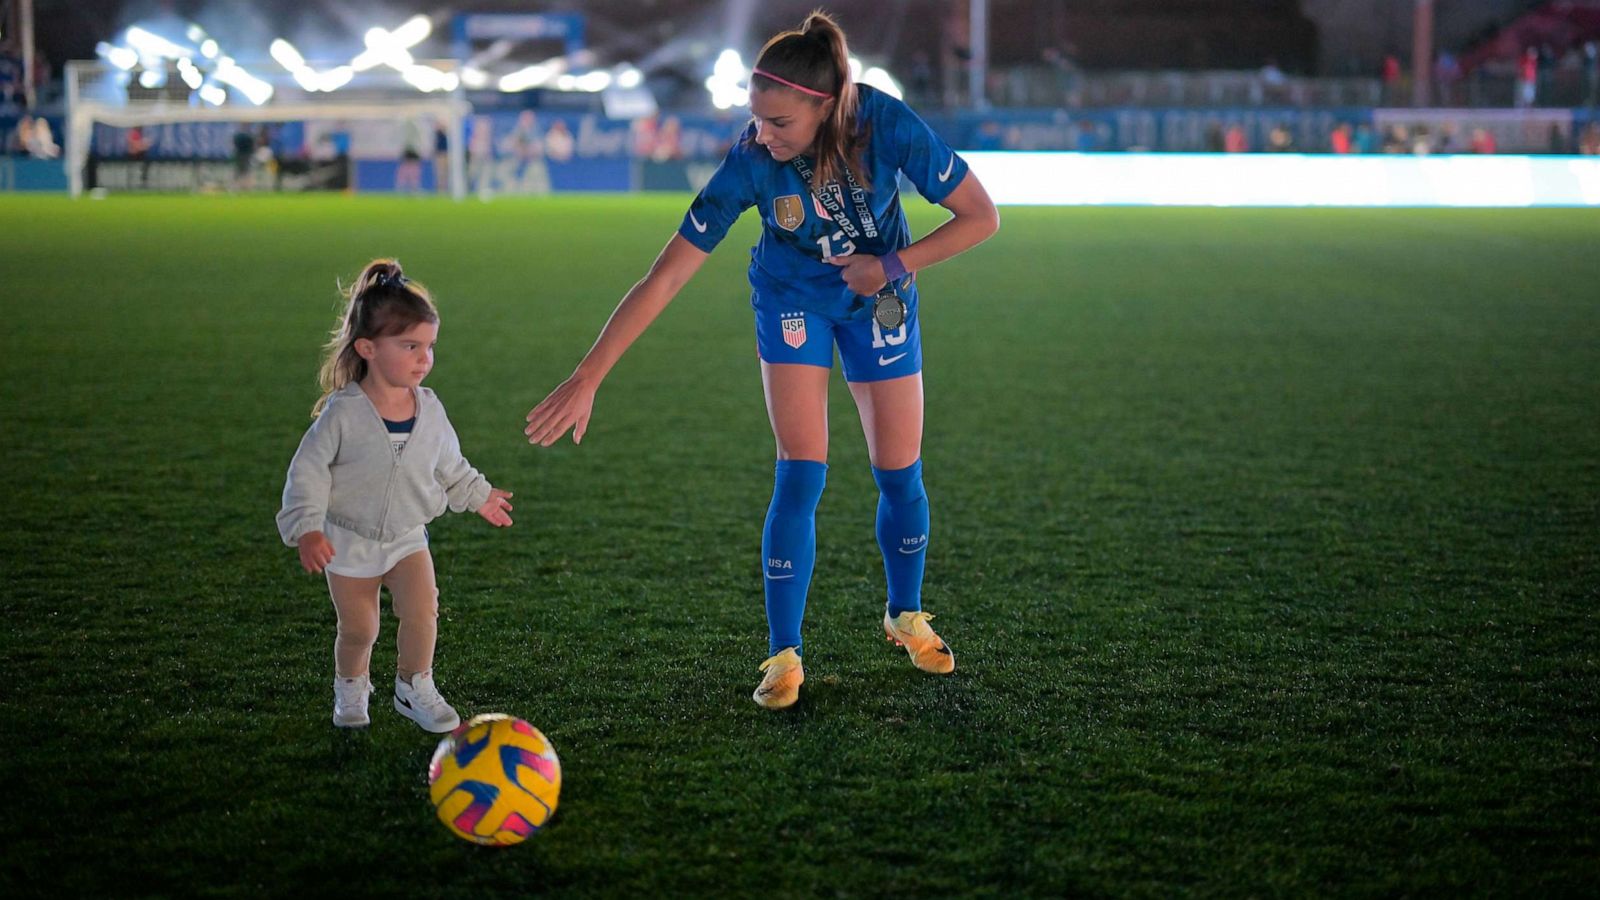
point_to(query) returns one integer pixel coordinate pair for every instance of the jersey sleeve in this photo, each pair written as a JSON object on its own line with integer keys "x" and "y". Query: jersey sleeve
{"x": 922, "y": 155}
{"x": 730, "y": 192}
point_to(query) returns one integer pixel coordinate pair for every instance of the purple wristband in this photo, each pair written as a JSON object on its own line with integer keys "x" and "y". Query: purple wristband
{"x": 893, "y": 268}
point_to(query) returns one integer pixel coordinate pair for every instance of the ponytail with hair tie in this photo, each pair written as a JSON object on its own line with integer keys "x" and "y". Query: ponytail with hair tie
{"x": 382, "y": 301}
{"x": 815, "y": 61}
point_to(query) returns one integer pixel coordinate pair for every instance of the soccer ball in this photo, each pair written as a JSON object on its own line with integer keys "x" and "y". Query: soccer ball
{"x": 494, "y": 780}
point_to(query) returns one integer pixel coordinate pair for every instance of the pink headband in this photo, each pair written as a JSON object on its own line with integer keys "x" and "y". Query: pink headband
{"x": 783, "y": 81}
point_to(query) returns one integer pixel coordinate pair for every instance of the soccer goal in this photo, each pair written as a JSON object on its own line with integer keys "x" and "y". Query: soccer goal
{"x": 230, "y": 100}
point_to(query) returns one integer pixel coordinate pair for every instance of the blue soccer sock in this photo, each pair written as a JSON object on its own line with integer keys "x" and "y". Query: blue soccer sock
{"x": 902, "y": 534}
{"x": 789, "y": 548}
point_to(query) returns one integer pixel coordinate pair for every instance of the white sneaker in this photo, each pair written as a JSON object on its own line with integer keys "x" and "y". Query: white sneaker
{"x": 420, "y": 702}
{"x": 350, "y": 701}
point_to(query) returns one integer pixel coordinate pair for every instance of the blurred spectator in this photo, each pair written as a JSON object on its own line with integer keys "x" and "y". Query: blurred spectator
{"x": 41, "y": 143}
{"x": 11, "y": 94}
{"x": 669, "y": 140}
{"x": 989, "y": 136}
{"x": 1065, "y": 71}
{"x": 1558, "y": 142}
{"x": 1392, "y": 88}
{"x": 521, "y": 165}
{"x": 1589, "y": 141}
{"x": 244, "y": 146}
{"x": 1339, "y": 141}
{"x": 644, "y": 131}
{"x": 17, "y": 140}
{"x": 1421, "y": 142}
{"x": 1214, "y": 139}
{"x": 139, "y": 152}
{"x": 1568, "y": 87}
{"x": 1087, "y": 141}
{"x": 1449, "y": 140}
{"x": 559, "y": 144}
{"x": 920, "y": 82}
{"x": 1483, "y": 141}
{"x": 1591, "y": 73}
{"x": 1274, "y": 81}
{"x": 1234, "y": 140}
{"x": 1396, "y": 139}
{"x": 1447, "y": 79}
{"x": 324, "y": 150}
{"x": 441, "y": 158}
{"x": 1527, "y": 78}
{"x": 263, "y": 161}
{"x": 1279, "y": 140}
{"x": 408, "y": 174}
{"x": 480, "y": 155}
{"x": 1366, "y": 141}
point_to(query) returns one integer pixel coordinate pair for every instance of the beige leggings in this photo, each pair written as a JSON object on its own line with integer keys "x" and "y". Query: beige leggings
{"x": 415, "y": 596}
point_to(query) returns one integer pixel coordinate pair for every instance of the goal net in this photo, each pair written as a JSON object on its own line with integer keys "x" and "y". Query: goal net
{"x": 179, "y": 126}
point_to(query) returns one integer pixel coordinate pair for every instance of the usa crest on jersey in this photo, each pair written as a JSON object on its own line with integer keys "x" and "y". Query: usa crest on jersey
{"x": 794, "y": 329}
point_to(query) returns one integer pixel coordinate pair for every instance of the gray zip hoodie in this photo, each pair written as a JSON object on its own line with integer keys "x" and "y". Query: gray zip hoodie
{"x": 346, "y": 472}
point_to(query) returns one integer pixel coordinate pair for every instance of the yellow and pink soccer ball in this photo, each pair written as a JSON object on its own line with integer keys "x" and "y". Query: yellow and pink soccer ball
{"x": 495, "y": 780}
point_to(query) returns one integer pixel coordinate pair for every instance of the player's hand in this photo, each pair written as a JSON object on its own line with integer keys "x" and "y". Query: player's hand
{"x": 864, "y": 274}
{"x": 568, "y": 406}
{"x": 316, "y": 551}
{"x": 494, "y": 510}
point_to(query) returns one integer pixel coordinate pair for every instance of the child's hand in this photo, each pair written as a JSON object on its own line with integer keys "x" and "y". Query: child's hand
{"x": 494, "y": 511}
{"x": 316, "y": 551}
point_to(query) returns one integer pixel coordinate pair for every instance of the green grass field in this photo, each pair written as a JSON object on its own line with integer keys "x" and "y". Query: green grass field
{"x": 1267, "y": 541}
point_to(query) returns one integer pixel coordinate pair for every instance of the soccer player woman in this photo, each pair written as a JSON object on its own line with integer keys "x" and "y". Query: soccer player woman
{"x": 821, "y": 160}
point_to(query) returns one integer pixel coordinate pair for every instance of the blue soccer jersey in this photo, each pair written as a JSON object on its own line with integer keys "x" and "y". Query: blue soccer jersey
{"x": 787, "y": 265}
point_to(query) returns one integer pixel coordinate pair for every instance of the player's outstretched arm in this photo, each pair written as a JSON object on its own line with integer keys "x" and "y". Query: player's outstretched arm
{"x": 570, "y": 404}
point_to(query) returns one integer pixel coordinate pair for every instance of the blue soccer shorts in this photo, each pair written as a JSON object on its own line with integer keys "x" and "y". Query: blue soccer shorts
{"x": 868, "y": 353}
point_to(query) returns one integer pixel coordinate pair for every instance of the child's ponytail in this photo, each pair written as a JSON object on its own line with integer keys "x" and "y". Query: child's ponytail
{"x": 382, "y": 301}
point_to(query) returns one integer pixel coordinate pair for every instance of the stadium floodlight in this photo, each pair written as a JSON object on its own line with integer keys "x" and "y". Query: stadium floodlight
{"x": 530, "y": 77}
{"x": 150, "y": 79}
{"x": 290, "y": 58}
{"x": 334, "y": 78}
{"x": 152, "y": 45}
{"x": 121, "y": 57}
{"x": 728, "y": 83}
{"x": 190, "y": 74}
{"x": 474, "y": 77}
{"x": 209, "y": 49}
{"x": 382, "y": 49}
{"x": 415, "y": 30}
{"x": 286, "y": 55}
{"x": 881, "y": 80}
{"x": 592, "y": 82}
{"x": 254, "y": 89}
{"x": 429, "y": 79}
{"x": 629, "y": 77}
{"x": 213, "y": 95}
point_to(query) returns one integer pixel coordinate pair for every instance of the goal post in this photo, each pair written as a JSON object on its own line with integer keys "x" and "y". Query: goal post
{"x": 100, "y": 93}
